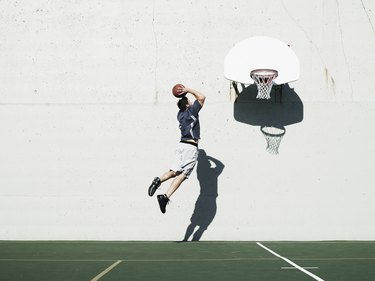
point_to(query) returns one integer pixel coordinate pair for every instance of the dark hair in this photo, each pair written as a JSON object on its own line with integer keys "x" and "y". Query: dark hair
{"x": 182, "y": 103}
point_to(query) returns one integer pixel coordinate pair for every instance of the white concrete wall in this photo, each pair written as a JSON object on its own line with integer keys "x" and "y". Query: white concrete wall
{"x": 87, "y": 120}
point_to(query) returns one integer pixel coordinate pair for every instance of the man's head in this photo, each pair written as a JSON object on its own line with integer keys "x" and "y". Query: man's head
{"x": 183, "y": 103}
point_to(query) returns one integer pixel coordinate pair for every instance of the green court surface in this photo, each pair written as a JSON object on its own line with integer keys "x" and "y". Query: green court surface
{"x": 281, "y": 261}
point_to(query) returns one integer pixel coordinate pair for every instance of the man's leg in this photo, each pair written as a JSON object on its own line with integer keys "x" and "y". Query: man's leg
{"x": 167, "y": 175}
{"x": 175, "y": 184}
{"x": 163, "y": 199}
{"x": 157, "y": 181}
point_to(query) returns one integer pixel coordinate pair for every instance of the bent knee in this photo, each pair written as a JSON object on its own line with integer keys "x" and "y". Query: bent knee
{"x": 174, "y": 173}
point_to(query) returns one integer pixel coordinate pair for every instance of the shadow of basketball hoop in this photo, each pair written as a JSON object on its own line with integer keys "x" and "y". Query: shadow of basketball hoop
{"x": 270, "y": 115}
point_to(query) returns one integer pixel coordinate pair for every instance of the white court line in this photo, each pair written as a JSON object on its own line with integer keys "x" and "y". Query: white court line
{"x": 137, "y": 260}
{"x": 100, "y": 275}
{"x": 291, "y": 263}
{"x": 180, "y": 260}
{"x": 305, "y": 267}
{"x": 174, "y": 242}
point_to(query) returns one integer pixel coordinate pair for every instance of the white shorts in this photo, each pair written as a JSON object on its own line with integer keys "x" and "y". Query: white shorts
{"x": 186, "y": 156}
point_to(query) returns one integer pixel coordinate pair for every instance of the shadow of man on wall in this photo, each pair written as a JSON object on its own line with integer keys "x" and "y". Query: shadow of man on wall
{"x": 208, "y": 171}
{"x": 268, "y": 113}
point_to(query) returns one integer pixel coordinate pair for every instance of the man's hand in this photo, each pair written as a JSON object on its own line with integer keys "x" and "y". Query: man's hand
{"x": 198, "y": 96}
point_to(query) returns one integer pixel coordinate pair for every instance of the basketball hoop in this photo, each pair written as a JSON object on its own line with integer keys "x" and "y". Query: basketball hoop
{"x": 273, "y": 137}
{"x": 263, "y": 78}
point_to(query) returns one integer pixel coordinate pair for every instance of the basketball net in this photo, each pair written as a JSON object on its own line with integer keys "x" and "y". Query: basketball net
{"x": 273, "y": 137}
{"x": 263, "y": 78}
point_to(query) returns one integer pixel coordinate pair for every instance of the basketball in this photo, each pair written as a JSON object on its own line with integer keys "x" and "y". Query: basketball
{"x": 177, "y": 90}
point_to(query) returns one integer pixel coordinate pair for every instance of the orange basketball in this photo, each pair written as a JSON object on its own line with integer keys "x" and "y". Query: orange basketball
{"x": 177, "y": 90}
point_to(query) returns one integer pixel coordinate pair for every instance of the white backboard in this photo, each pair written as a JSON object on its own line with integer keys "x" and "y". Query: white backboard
{"x": 261, "y": 52}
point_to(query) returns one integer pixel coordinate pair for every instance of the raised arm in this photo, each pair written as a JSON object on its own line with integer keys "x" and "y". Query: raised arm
{"x": 219, "y": 165}
{"x": 197, "y": 95}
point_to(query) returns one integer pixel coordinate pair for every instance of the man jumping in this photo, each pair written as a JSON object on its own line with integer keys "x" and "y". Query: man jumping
{"x": 186, "y": 154}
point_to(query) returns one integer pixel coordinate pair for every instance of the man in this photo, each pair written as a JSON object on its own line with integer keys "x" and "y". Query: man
{"x": 187, "y": 150}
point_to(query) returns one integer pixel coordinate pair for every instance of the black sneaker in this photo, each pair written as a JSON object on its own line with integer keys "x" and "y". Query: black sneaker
{"x": 163, "y": 201}
{"x": 154, "y": 186}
